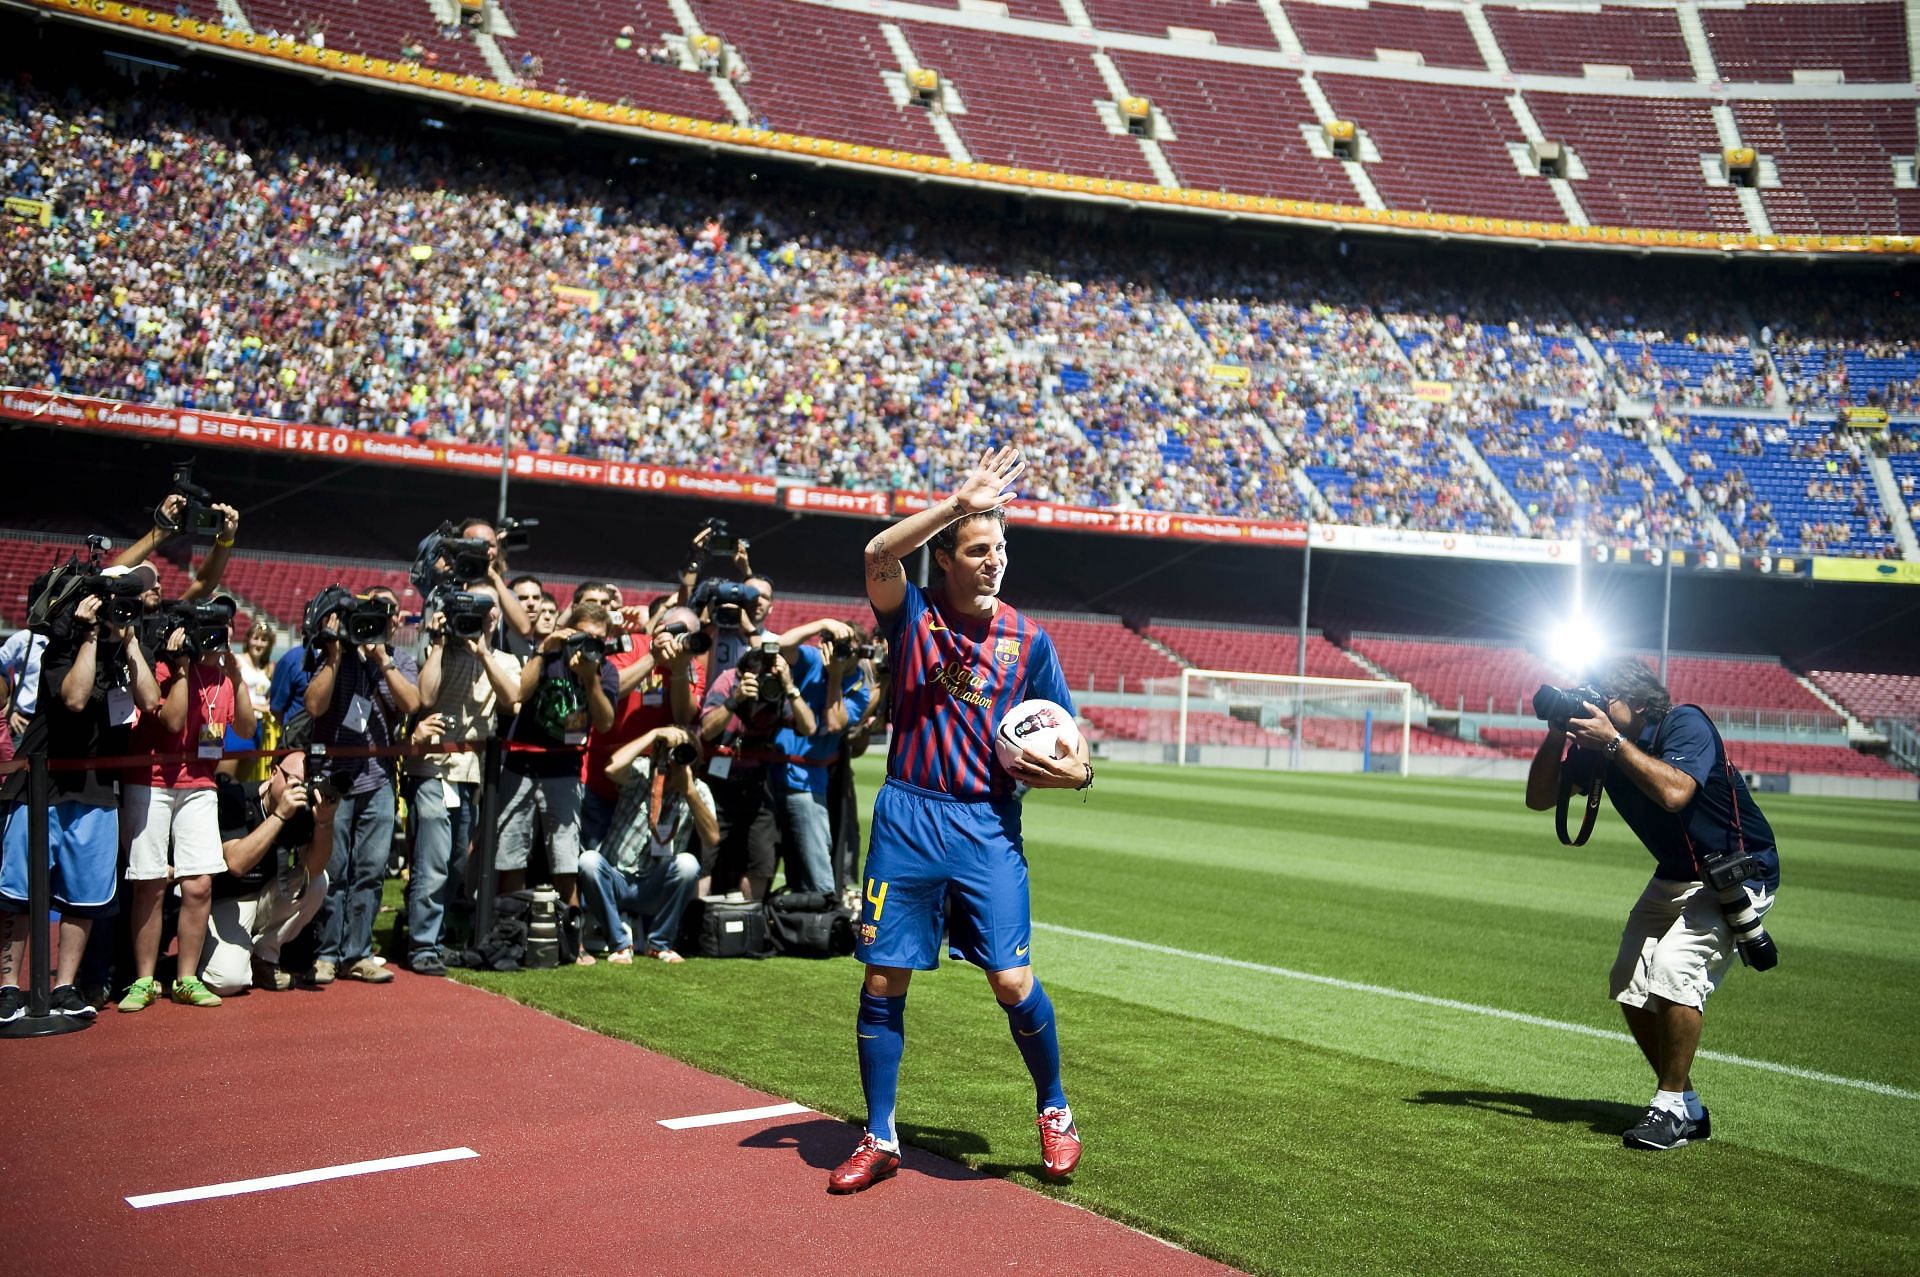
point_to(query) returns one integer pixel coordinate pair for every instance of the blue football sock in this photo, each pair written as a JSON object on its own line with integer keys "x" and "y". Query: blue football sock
{"x": 1032, "y": 1023}
{"x": 882, "y": 1028}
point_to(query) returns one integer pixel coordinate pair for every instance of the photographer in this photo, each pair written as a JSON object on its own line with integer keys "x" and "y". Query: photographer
{"x": 360, "y": 696}
{"x": 93, "y": 678}
{"x": 660, "y": 686}
{"x": 463, "y": 684}
{"x": 829, "y": 680}
{"x": 173, "y": 517}
{"x": 170, "y": 811}
{"x": 566, "y": 692}
{"x": 1665, "y": 769}
{"x": 447, "y": 558}
{"x": 644, "y": 866}
{"x": 276, "y": 839}
{"x": 742, "y": 716}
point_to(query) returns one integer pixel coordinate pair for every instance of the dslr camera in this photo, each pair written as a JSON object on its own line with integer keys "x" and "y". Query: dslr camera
{"x": 725, "y": 601}
{"x": 466, "y": 612}
{"x": 1724, "y": 873}
{"x": 593, "y": 645}
{"x": 697, "y": 643}
{"x": 323, "y": 780}
{"x": 199, "y": 516}
{"x": 1556, "y": 705}
{"x": 681, "y": 755}
{"x": 758, "y": 661}
{"x": 835, "y": 651}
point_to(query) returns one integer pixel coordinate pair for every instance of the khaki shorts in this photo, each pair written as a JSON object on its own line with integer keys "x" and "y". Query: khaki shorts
{"x": 1677, "y": 945}
{"x": 159, "y": 824}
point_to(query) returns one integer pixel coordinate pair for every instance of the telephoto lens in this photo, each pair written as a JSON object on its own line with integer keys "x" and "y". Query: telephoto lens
{"x": 1726, "y": 876}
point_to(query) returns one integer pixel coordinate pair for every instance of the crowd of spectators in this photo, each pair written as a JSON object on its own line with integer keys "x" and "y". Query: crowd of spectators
{"x": 655, "y": 752}
{"x": 674, "y": 315}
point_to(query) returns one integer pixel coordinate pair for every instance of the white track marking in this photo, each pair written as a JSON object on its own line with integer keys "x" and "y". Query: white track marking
{"x": 736, "y": 1115}
{"x": 235, "y": 1187}
{"x": 1474, "y": 1008}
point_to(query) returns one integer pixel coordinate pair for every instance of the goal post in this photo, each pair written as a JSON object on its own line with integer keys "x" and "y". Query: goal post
{"x": 1331, "y": 723}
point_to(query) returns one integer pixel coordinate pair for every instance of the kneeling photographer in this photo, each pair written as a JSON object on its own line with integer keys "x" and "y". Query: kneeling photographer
{"x": 1665, "y": 769}
{"x": 276, "y": 838}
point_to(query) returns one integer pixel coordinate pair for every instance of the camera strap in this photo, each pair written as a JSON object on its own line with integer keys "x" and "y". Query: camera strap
{"x": 1566, "y": 794}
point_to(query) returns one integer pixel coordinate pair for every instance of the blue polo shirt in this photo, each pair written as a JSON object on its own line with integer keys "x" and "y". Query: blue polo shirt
{"x": 288, "y": 689}
{"x": 1686, "y": 739}
{"x": 810, "y": 677}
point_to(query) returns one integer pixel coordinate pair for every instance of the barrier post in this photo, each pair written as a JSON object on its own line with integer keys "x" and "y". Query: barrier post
{"x": 486, "y": 839}
{"x": 40, "y": 1021}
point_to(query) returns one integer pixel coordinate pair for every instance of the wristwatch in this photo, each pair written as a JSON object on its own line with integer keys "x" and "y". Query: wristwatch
{"x": 1613, "y": 746}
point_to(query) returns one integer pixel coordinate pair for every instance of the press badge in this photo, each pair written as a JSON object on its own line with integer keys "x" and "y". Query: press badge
{"x": 213, "y": 740}
{"x": 574, "y": 738}
{"x": 119, "y": 706}
{"x": 452, "y": 795}
{"x": 719, "y": 767}
{"x": 359, "y": 711}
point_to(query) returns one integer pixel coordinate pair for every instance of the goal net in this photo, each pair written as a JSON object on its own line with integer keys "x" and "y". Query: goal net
{"x": 1234, "y": 718}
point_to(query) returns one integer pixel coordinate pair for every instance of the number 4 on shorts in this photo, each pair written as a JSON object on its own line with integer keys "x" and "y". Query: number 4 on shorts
{"x": 878, "y": 902}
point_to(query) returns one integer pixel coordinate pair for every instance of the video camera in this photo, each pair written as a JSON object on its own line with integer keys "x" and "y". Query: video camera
{"x": 361, "y": 620}
{"x": 466, "y": 612}
{"x": 725, "y": 601}
{"x": 593, "y": 645}
{"x": 199, "y": 515}
{"x": 59, "y": 589}
{"x": 208, "y": 624}
{"x": 515, "y": 534}
{"x": 721, "y": 542}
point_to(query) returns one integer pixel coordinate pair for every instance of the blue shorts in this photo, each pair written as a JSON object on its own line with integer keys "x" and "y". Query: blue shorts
{"x": 83, "y": 845}
{"x": 935, "y": 861}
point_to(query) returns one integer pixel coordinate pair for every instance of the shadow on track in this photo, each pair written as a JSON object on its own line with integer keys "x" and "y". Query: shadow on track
{"x": 823, "y": 1144}
{"x": 1602, "y": 1117}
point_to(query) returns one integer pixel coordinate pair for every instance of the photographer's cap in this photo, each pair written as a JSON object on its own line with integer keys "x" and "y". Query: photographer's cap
{"x": 141, "y": 572}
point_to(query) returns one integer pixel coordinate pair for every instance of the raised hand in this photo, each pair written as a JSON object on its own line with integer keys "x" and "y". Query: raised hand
{"x": 990, "y": 486}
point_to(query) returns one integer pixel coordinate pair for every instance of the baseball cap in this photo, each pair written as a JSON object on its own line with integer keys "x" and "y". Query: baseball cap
{"x": 141, "y": 572}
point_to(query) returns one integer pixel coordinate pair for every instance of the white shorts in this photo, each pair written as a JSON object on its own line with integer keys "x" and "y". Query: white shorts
{"x": 1677, "y": 945}
{"x": 185, "y": 821}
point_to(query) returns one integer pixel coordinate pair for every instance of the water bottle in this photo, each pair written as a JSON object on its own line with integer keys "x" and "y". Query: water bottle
{"x": 543, "y": 929}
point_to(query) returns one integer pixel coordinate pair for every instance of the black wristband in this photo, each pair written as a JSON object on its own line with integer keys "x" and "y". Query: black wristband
{"x": 1088, "y": 782}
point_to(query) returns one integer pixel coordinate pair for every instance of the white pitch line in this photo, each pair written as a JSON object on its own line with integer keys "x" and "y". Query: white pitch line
{"x": 1474, "y": 1008}
{"x": 234, "y": 1188}
{"x": 734, "y": 1115}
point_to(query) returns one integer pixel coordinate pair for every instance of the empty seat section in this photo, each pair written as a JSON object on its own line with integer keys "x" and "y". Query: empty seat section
{"x": 1236, "y": 128}
{"x": 1835, "y": 172}
{"x": 1816, "y": 760}
{"x": 1476, "y": 677}
{"x": 1030, "y": 10}
{"x": 1872, "y": 697}
{"x": 1099, "y": 654}
{"x": 1731, "y": 682}
{"x": 574, "y": 39}
{"x": 1257, "y": 651}
{"x": 377, "y": 27}
{"x": 1561, "y": 42}
{"x": 1030, "y": 103}
{"x": 1768, "y": 41}
{"x": 1236, "y": 22}
{"x": 1203, "y": 727}
{"x": 1442, "y": 148}
{"x": 1642, "y": 158}
{"x": 817, "y": 71}
{"x": 1440, "y": 36}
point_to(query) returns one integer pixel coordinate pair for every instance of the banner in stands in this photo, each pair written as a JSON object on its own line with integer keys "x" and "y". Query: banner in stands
{"x": 1433, "y": 391}
{"x": 147, "y": 421}
{"x": 1868, "y": 418}
{"x": 1134, "y": 523}
{"x": 1889, "y": 571}
{"x": 872, "y": 505}
{"x": 1445, "y": 545}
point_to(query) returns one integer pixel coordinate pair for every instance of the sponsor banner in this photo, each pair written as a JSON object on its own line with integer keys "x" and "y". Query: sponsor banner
{"x": 1892, "y": 571}
{"x": 148, "y": 421}
{"x": 1134, "y": 523}
{"x": 1864, "y": 418}
{"x": 1446, "y": 545}
{"x": 873, "y": 505}
{"x": 1433, "y": 391}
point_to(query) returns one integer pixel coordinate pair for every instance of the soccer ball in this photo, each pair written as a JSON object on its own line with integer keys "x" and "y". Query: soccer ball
{"x": 1041, "y": 726}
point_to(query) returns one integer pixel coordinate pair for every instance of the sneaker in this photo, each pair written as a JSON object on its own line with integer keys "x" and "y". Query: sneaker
{"x": 1702, "y": 1127}
{"x": 189, "y": 992}
{"x": 141, "y": 994}
{"x": 324, "y": 971}
{"x": 13, "y": 1003}
{"x": 667, "y": 956}
{"x": 428, "y": 962}
{"x": 366, "y": 969}
{"x": 1659, "y": 1130}
{"x": 267, "y": 975}
{"x": 868, "y": 1166}
{"x": 1059, "y": 1143}
{"x": 67, "y": 1000}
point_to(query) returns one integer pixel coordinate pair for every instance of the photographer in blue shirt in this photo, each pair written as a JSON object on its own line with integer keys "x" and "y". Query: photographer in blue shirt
{"x": 829, "y": 681}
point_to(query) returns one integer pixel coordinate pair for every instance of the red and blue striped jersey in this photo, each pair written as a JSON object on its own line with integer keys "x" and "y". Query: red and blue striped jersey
{"x": 954, "y": 678}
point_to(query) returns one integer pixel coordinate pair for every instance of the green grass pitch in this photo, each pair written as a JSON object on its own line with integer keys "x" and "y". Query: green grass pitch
{"x": 1286, "y": 1125}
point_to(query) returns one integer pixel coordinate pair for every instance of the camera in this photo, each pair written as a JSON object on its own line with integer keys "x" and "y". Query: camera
{"x": 758, "y": 661}
{"x": 466, "y": 613}
{"x": 1724, "y": 873}
{"x": 682, "y": 755}
{"x": 208, "y": 624}
{"x": 516, "y": 534}
{"x": 466, "y": 559}
{"x": 1555, "y": 705}
{"x": 837, "y": 650}
{"x": 698, "y": 643}
{"x": 592, "y": 645}
{"x": 726, "y": 600}
{"x": 323, "y": 783}
{"x": 361, "y": 620}
{"x": 721, "y": 542}
{"x": 199, "y": 516}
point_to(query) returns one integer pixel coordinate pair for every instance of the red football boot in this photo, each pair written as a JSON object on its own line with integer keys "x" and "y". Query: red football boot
{"x": 1059, "y": 1143}
{"x": 868, "y": 1166}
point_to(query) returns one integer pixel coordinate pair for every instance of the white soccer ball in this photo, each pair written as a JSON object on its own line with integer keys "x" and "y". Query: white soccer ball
{"x": 1041, "y": 726}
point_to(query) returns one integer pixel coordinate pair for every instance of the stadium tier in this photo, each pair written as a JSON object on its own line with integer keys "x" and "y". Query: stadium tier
{"x": 1802, "y": 495}
{"x": 1555, "y": 41}
{"x": 1726, "y": 682}
{"x": 1253, "y": 651}
{"x": 1473, "y": 677}
{"x": 1239, "y": 23}
{"x": 1440, "y": 36}
{"x": 1767, "y": 40}
{"x": 1873, "y": 697}
{"x": 1642, "y": 159}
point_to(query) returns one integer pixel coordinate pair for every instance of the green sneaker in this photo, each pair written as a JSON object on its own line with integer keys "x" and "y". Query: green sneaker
{"x": 141, "y": 994}
{"x": 189, "y": 992}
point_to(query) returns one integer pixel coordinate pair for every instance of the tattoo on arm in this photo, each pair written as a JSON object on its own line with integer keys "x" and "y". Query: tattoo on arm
{"x": 882, "y": 566}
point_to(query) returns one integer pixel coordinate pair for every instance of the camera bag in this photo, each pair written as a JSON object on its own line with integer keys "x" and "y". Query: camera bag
{"x": 808, "y": 924}
{"x": 732, "y": 929}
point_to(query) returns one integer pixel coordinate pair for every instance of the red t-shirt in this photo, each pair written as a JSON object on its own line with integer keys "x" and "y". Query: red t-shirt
{"x": 638, "y": 712}
{"x": 210, "y": 706}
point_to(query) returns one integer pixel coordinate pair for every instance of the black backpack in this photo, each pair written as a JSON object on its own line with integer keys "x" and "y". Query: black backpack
{"x": 809, "y": 924}
{"x": 729, "y": 929}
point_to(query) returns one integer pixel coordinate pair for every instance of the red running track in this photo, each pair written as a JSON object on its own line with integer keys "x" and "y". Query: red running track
{"x": 574, "y": 1173}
